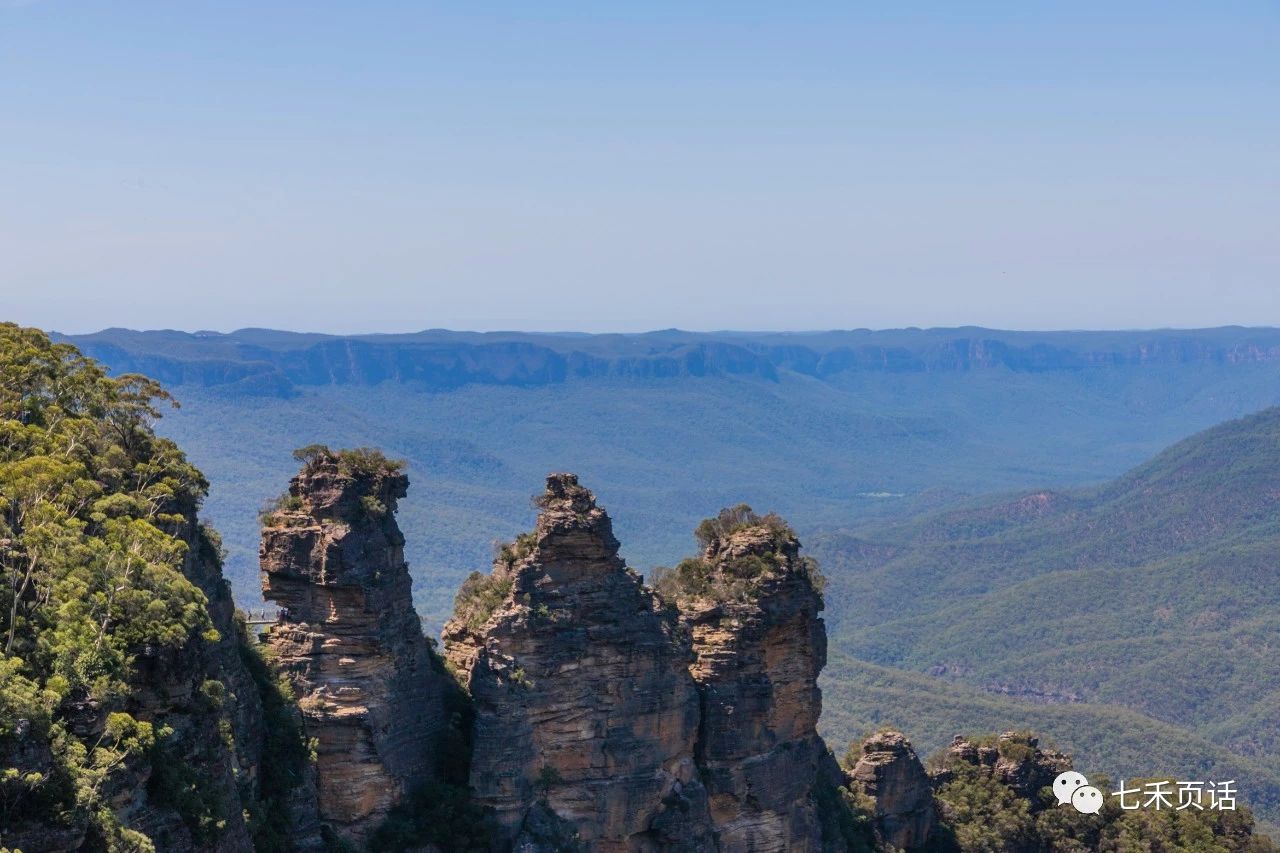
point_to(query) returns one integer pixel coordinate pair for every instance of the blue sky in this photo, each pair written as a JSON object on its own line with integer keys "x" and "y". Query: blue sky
{"x": 391, "y": 166}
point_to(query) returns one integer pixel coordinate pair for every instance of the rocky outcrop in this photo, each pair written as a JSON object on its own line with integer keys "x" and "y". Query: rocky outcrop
{"x": 891, "y": 776}
{"x": 1015, "y": 759}
{"x": 585, "y": 712}
{"x": 751, "y": 605}
{"x": 348, "y": 637}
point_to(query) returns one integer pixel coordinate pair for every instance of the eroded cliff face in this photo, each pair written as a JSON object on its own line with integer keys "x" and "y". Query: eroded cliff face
{"x": 890, "y": 775}
{"x": 751, "y": 606}
{"x": 348, "y": 638}
{"x": 586, "y": 714}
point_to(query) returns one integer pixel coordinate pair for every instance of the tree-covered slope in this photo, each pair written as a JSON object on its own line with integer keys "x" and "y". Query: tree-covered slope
{"x": 860, "y": 697}
{"x": 130, "y": 717}
{"x": 1156, "y": 592}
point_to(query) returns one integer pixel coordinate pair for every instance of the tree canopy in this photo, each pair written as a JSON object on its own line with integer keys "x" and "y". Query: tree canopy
{"x": 95, "y": 517}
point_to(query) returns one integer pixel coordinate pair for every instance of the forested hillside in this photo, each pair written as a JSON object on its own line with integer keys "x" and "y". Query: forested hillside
{"x": 1156, "y": 592}
{"x": 124, "y": 689}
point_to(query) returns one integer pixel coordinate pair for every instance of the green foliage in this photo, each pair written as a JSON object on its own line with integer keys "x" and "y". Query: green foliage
{"x": 455, "y": 747}
{"x": 367, "y": 462}
{"x": 359, "y": 462}
{"x": 720, "y": 579}
{"x": 846, "y": 818}
{"x": 1154, "y": 592}
{"x": 1102, "y": 739}
{"x": 177, "y": 784}
{"x": 1020, "y": 747}
{"x": 312, "y": 454}
{"x": 479, "y": 597}
{"x": 978, "y": 814}
{"x": 513, "y": 552}
{"x": 520, "y": 678}
{"x": 689, "y": 580}
{"x": 438, "y": 814}
{"x": 984, "y": 816}
{"x": 94, "y": 518}
{"x": 730, "y": 520}
{"x": 274, "y": 512}
{"x": 373, "y": 507}
{"x": 548, "y": 778}
{"x": 285, "y": 753}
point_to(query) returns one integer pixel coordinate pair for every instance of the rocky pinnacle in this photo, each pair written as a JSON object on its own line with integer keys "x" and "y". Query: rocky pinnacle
{"x": 348, "y": 638}
{"x": 586, "y": 714}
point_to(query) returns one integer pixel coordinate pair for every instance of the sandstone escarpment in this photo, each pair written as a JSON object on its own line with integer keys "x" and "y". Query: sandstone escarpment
{"x": 348, "y": 637}
{"x": 751, "y": 604}
{"x": 890, "y": 774}
{"x": 585, "y": 712}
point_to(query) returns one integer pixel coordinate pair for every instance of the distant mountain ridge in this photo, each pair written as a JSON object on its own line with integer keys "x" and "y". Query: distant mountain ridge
{"x": 832, "y": 428}
{"x": 274, "y": 363}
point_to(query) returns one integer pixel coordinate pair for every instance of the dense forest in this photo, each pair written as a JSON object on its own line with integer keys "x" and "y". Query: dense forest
{"x": 121, "y": 664}
{"x": 1134, "y": 620}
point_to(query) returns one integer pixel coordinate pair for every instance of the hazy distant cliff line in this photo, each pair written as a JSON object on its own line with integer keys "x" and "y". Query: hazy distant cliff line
{"x": 828, "y": 428}
{"x": 267, "y": 362}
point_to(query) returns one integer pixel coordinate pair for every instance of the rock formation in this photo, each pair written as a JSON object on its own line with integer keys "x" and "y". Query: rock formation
{"x": 348, "y": 637}
{"x": 586, "y": 715}
{"x": 751, "y": 605}
{"x": 1014, "y": 759}
{"x": 890, "y": 774}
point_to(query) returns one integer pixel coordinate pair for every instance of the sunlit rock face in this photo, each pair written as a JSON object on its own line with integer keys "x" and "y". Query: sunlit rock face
{"x": 348, "y": 638}
{"x": 759, "y": 646}
{"x": 586, "y": 713}
{"x": 890, "y": 774}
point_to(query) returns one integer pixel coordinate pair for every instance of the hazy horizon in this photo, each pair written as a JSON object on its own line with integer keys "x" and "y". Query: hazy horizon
{"x": 666, "y": 329}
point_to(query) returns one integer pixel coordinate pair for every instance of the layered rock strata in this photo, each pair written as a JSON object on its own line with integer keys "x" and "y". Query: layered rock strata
{"x": 348, "y": 638}
{"x": 890, "y": 774}
{"x": 586, "y": 714}
{"x": 751, "y": 605}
